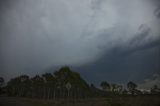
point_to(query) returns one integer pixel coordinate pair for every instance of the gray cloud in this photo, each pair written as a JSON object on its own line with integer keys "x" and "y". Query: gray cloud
{"x": 150, "y": 82}
{"x": 42, "y": 33}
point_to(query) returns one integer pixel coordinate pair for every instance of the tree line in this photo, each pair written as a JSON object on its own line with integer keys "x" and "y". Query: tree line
{"x": 63, "y": 84}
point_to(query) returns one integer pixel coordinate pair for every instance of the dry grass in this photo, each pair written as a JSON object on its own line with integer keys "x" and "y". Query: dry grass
{"x": 111, "y": 101}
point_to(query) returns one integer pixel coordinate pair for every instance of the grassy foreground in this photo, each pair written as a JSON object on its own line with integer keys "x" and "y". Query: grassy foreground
{"x": 111, "y": 101}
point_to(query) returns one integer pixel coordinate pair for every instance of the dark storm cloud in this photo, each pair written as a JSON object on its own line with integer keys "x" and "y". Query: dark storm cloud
{"x": 143, "y": 33}
{"x": 120, "y": 66}
{"x": 39, "y": 34}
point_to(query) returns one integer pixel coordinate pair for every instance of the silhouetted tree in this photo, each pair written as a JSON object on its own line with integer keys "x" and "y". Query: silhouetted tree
{"x": 13, "y": 87}
{"x": 37, "y": 86}
{"x": 1, "y": 84}
{"x": 1, "y": 81}
{"x": 116, "y": 89}
{"x": 24, "y": 85}
{"x": 64, "y": 83}
{"x": 19, "y": 86}
{"x": 119, "y": 89}
{"x": 95, "y": 92}
{"x": 155, "y": 90}
{"x": 113, "y": 88}
{"x": 131, "y": 87}
{"x": 49, "y": 85}
{"x": 105, "y": 86}
{"x": 79, "y": 86}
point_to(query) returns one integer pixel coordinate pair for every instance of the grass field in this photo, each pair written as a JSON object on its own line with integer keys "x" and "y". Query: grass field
{"x": 111, "y": 101}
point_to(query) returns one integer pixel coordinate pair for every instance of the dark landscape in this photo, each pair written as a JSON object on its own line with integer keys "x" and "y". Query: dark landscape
{"x": 117, "y": 101}
{"x": 79, "y": 52}
{"x": 66, "y": 88}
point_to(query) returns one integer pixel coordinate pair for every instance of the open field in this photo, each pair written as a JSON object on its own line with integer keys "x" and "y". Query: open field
{"x": 114, "y": 101}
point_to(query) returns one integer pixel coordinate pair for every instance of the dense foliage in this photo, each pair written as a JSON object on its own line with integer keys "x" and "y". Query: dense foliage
{"x": 66, "y": 83}
{"x": 49, "y": 85}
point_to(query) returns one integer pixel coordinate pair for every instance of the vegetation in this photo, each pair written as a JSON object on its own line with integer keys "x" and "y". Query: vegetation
{"x": 1, "y": 85}
{"x": 49, "y": 86}
{"x": 105, "y": 85}
{"x": 67, "y": 84}
{"x": 131, "y": 87}
{"x": 155, "y": 90}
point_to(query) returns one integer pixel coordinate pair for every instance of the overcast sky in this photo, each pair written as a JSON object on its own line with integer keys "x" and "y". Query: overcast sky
{"x": 113, "y": 40}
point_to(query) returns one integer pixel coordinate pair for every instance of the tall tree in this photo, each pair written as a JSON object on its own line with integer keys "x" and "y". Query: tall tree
{"x": 1, "y": 84}
{"x": 66, "y": 75}
{"x": 63, "y": 83}
{"x": 19, "y": 86}
{"x": 49, "y": 85}
{"x": 116, "y": 89}
{"x": 37, "y": 86}
{"x": 13, "y": 87}
{"x": 1, "y": 81}
{"x": 131, "y": 87}
{"x": 155, "y": 90}
{"x": 24, "y": 85}
{"x": 105, "y": 86}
